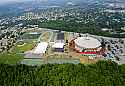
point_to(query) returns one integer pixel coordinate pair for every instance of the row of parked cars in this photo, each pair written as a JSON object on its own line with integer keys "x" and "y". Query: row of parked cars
{"x": 114, "y": 48}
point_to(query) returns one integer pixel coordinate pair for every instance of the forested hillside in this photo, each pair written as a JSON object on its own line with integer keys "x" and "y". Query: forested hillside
{"x": 99, "y": 74}
{"x": 77, "y": 27}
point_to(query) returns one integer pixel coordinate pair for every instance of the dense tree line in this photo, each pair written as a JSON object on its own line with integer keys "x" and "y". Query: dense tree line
{"x": 103, "y": 73}
{"x": 72, "y": 26}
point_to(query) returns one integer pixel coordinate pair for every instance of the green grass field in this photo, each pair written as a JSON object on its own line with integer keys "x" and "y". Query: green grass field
{"x": 10, "y": 58}
{"x": 23, "y": 48}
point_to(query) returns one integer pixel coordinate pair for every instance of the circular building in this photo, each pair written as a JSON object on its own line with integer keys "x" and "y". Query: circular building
{"x": 86, "y": 43}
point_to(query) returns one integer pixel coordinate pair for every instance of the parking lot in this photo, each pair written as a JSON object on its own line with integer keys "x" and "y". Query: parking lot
{"x": 115, "y": 49}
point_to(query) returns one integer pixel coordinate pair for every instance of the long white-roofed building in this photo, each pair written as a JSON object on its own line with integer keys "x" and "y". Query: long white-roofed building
{"x": 41, "y": 48}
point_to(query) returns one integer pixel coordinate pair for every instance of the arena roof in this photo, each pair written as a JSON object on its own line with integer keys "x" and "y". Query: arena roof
{"x": 41, "y": 48}
{"x": 87, "y": 42}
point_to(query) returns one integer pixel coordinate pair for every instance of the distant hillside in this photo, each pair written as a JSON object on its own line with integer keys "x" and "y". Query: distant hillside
{"x": 15, "y": 8}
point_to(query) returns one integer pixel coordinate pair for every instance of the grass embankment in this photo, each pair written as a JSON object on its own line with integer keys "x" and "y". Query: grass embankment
{"x": 10, "y": 58}
{"x": 45, "y": 37}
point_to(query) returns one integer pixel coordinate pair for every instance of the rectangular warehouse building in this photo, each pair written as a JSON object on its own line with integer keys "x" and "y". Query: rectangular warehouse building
{"x": 41, "y": 48}
{"x": 58, "y": 47}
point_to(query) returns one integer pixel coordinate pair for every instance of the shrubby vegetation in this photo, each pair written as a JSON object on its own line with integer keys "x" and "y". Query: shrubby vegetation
{"x": 99, "y": 74}
{"x": 7, "y": 58}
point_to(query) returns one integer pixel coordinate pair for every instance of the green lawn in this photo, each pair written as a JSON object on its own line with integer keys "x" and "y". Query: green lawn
{"x": 10, "y": 58}
{"x": 23, "y": 48}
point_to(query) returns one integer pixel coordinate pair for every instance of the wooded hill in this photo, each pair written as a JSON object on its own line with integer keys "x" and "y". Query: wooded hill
{"x": 104, "y": 73}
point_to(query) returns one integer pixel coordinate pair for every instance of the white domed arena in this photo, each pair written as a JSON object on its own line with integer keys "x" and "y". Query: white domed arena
{"x": 86, "y": 43}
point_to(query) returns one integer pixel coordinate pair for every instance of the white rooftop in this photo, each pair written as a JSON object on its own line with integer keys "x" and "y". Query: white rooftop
{"x": 41, "y": 48}
{"x": 58, "y": 45}
{"x": 87, "y": 42}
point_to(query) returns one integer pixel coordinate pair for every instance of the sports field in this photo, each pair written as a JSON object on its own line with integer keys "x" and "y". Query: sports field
{"x": 31, "y": 35}
{"x": 32, "y": 61}
{"x": 49, "y": 61}
{"x": 22, "y": 48}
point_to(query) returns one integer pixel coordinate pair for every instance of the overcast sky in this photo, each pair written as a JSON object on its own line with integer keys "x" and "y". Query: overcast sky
{"x": 10, "y": 1}
{"x": 7, "y": 1}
